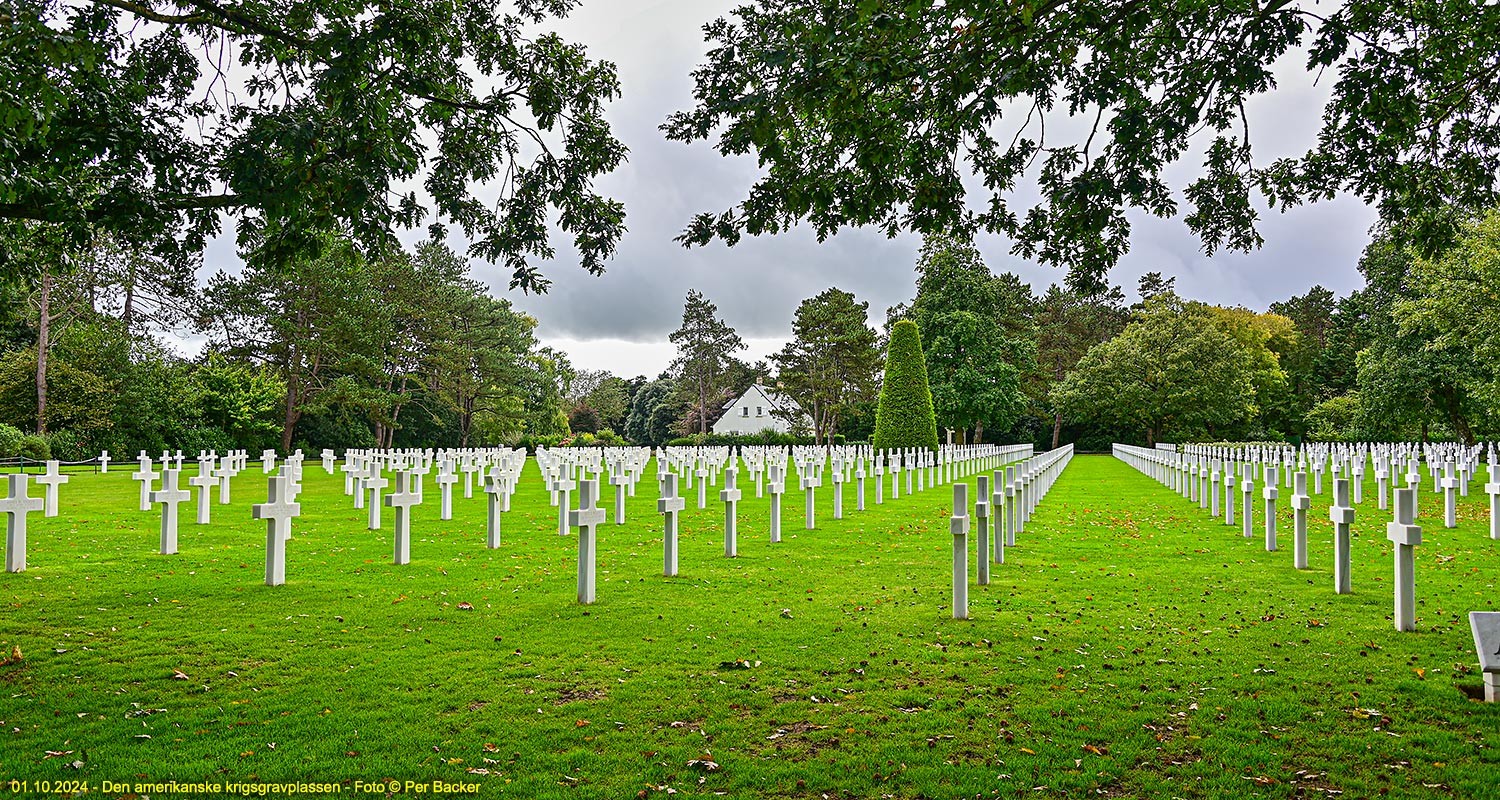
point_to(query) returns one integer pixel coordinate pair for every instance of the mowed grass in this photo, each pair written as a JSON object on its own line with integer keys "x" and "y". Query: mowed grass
{"x": 1129, "y": 647}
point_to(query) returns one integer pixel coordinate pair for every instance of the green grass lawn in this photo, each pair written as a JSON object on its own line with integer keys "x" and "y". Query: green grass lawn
{"x": 1129, "y": 647}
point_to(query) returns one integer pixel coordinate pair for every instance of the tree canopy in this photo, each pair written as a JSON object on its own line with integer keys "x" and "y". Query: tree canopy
{"x": 874, "y": 113}
{"x": 147, "y": 119}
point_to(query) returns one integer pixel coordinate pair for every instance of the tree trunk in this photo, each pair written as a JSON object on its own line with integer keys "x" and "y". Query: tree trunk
{"x": 290, "y": 420}
{"x": 1150, "y": 437}
{"x": 702, "y": 407}
{"x": 43, "y": 332}
{"x": 979, "y": 433}
{"x": 1056, "y": 428}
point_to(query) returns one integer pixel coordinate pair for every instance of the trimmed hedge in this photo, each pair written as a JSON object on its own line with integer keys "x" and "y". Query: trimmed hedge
{"x": 905, "y": 417}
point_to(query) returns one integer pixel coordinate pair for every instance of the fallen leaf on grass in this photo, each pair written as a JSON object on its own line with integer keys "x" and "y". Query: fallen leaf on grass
{"x": 1096, "y": 750}
{"x": 465, "y": 606}
{"x": 703, "y": 764}
{"x": 179, "y": 675}
{"x": 57, "y": 754}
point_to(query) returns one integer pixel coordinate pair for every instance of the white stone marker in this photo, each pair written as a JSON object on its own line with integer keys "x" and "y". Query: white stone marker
{"x": 565, "y": 486}
{"x": 375, "y": 481}
{"x": 205, "y": 481}
{"x": 1300, "y": 504}
{"x": 268, "y": 460}
{"x": 401, "y": 501}
{"x": 445, "y": 481}
{"x": 1247, "y": 491}
{"x": 493, "y": 491}
{"x": 621, "y": 481}
{"x": 1214, "y": 480}
{"x": 104, "y": 462}
{"x": 1270, "y": 493}
{"x": 809, "y": 496}
{"x": 838, "y": 493}
{"x": 1486, "y": 628}
{"x": 1229, "y": 493}
{"x": 145, "y": 476}
{"x": 776, "y": 487}
{"x": 277, "y": 511}
{"x": 587, "y": 519}
{"x": 1450, "y": 496}
{"x": 224, "y": 472}
{"x": 859, "y": 484}
{"x": 997, "y": 504}
{"x": 16, "y": 505}
{"x": 1342, "y": 516}
{"x": 1406, "y": 536}
{"x": 702, "y": 475}
{"x": 327, "y": 456}
{"x": 731, "y": 497}
{"x": 879, "y": 474}
{"x": 670, "y": 505}
{"x": 1011, "y": 499}
{"x": 169, "y": 496}
{"x": 958, "y": 524}
{"x": 982, "y": 522}
{"x": 1492, "y": 488}
{"x": 51, "y": 480}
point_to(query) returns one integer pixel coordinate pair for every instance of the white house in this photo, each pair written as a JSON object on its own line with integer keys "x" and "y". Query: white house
{"x": 751, "y": 413}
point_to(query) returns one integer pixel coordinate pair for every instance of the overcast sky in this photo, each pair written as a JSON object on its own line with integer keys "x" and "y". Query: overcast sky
{"x": 620, "y": 321}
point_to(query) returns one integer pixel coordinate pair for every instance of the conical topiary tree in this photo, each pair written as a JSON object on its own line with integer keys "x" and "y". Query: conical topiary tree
{"x": 904, "y": 417}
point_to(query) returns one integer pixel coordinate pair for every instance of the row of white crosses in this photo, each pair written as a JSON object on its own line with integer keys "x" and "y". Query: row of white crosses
{"x": 1017, "y": 493}
{"x": 1172, "y": 470}
{"x": 704, "y": 464}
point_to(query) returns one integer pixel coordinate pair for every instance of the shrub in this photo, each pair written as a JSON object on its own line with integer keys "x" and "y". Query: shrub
{"x": 69, "y": 446}
{"x": 205, "y": 437}
{"x": 34, "y": 447}
{"x": 905, "y": 416}
{"x": 10, "y": 441}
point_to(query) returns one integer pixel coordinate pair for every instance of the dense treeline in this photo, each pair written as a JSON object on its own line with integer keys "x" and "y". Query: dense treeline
{"x": 340, "y": 350}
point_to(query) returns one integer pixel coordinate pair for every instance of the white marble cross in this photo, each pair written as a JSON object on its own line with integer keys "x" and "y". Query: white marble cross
{"x": 225, "y": 473}
{"x": 1269, "y": 494}
{"x": 958, "y": 525}
{"x": 445, "y": 481}
{"x": 170, "y": 496}
{"x": 401, "y": 501}
{"x": 620, "y": 479}
{"x": 1342, "y": 516}
{"x": 1450, "y": 496}
{"x": 670, "y": 505}
{"x": 997, "y": 505}
{"x": 587, "y": 519}
{"x": 776, "y": 485}
{"x": 374, "y": 482}
{"x": 982, "y": 522}
{"x": 565, "y": 486}
{"x": 1301, "y": 502}
{"x": 104, "y": 462}
{"x": 52, "y": 480}
{"x": 16, "y": 505}
{"x": 145, "y": 475}
{"x": 1247, "y": 490}
{"x": 328, "y": 457}
{"x": 205, "y": 481}
{"x": 810, "y": 485}
{"x": 277, "y": 511}
{"x": 730, "y": 496}
{"x": 268, "y": 461}
{"x": 1406, "y": 536}
{"x": 1492, "y": 488}
{"x": 494, "y": 491}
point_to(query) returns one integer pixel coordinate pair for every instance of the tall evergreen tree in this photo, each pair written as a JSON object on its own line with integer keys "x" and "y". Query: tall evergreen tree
{"x": 904, "y": 417}
{"x": 705, "y": 346}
